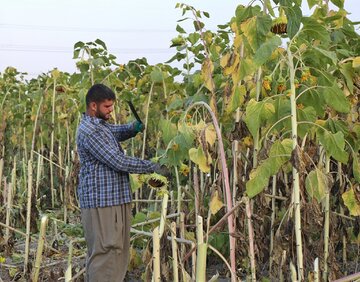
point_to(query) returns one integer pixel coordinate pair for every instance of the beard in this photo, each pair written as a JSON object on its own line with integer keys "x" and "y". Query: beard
{"x": 102, "y": 115}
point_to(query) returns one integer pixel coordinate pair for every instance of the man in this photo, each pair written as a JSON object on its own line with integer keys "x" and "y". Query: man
{"x": 104, "y": 191}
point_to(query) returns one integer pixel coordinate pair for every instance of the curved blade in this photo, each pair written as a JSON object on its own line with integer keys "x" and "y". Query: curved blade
{"x": 132, "y": 108}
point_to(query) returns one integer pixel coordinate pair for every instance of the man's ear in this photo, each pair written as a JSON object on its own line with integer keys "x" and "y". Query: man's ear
{"x": 93, "y": 106}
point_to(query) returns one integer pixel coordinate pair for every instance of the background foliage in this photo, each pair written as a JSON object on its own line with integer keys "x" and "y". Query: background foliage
{"x": 285, "y": 90}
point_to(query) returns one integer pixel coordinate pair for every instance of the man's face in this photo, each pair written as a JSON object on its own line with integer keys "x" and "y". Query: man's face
{"x": 104, "y": 109}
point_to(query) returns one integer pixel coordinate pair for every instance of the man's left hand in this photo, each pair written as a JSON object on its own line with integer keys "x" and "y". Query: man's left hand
{"x": 139, "y": 126}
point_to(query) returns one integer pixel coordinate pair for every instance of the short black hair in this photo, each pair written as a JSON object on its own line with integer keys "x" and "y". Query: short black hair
{"x": 98, "y": 93}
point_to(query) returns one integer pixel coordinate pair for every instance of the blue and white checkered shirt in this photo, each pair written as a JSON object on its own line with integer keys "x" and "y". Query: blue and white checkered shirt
{"x": 104, "y": 168}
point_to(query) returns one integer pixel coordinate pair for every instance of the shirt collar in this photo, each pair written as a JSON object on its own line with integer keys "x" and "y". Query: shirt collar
{"x": 94, "y": 120}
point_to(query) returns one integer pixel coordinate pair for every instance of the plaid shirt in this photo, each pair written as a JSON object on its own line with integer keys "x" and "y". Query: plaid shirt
{"x": 104, "y": 168}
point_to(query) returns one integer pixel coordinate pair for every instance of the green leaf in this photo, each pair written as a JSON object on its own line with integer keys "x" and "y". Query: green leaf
{"x": 184, "y": 140}
{"x": 312, "y": 3}
{"x": 266, "y": 49}
{"x": 98, "y": 62}
{"x": 215, "y": 203}
{"x": 255, "y": 29}
{"x": 134, "y": 182}
{"x": 356, "y": 62}
{"x": 156, "y": 76}
{"x": 230, "y": 63}
{"x": 168, "y": 129}
{"x": 220, "y": 241}
{"x": 100, "y": 42}
{"x": 269, "y": 8}
{"x": 341, "y": 52}
{"x": 139, "y": 217}
{"x": 175, "y": 103}
{"x": 180, "y": 29}
{"x": 198, "y": 25}
{"x": 194, "y": 37}
{"x": 282, "y": 109}
{"x": 243, "y": 13}
{"x": 316, "y": 184}
{"x": 178, "y": 56}
{"x": 79, "y": 44}
{"x": 338, "y": 3}
{"x": 198, "y": 157}
{"x": 356, "y": 168}
{"x": 259, "y": 178}
{"x": 186, "y": 137}
{"x": 280, "y": 152}
{"x": 135, "y": 260}
{"x": 206, "y": 14}
{"x": 206, "y": 74}
{"x": 15, "y": 258}
{"x": 328, "y": 54}
{"x": 236, "y": 99}
{"x": 174, "y": 158}
{"x": 72, "y": 230}
{"x": 247, "y": 67}
{"x": 252, "y": 118}
{"x": 306, "y": 114}
{"x": 334, "y": 145}
{"x": 348, "y": 72}
{"x": 268, "y": 111}
{"x": 335, "y": 125}
{"x": 76, "y": 54}
{"x": 325, "y": 78}
{"x": 351, "y": 202}
{"x": 335, "y": 98}
{"x": 313, "y": 30}
{"x": 256, "y": 114}
{"x": 177, "y": 41}
{"x": 294, "y": 15}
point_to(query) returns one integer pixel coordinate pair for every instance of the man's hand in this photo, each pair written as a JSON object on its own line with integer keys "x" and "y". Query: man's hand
{"x": 162, "y": 170}
{"x": 138, "y": 126}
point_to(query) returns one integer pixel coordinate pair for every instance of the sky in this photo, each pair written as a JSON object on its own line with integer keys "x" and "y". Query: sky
{"x": 39, "y": 35}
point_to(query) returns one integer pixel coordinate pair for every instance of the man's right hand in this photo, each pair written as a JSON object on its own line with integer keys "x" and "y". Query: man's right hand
{"x": 162, "y": 170}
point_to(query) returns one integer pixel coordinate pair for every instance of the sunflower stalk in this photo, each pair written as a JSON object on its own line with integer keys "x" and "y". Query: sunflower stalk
{"x": 316, "y": 270}
{"x": 272, "y": 226}
{"x": 164, "y": 206}
{"x": 9, "y": 199}
{"x": 327, "y": 222}
{"x": 201, "y": 251}
{"x": 40, "y": 247}
{"x": 52, "y": 188}
{"x": 174, "y": 253}
{"x": 28, "y": 214}
{"x": 251, "y": 240}
{"x": 1, "y": 171}
{"x": 178, "y": 189}
{"x": 182, "y": 233}
{"x": 156, "y": 255}
{"x": 295, "y": 172}
{"x": 228, "y": 193}
{"x": 68, "y": 272}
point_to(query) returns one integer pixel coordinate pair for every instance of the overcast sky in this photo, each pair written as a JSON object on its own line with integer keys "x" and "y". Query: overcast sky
{"x": 38, "y": 35}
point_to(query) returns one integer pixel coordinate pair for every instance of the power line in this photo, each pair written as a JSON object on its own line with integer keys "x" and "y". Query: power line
{"x": 20, "y": 48}
{"x": 56, "y": 49}
{"x": 87, "y": 29}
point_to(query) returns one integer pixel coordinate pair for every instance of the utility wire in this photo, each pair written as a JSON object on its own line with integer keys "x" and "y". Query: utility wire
{"x": 87, "y": 29}
{"x": 56, "y": 49}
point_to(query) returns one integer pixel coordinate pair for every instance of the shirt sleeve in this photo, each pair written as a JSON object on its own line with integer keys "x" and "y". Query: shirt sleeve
{"x": 102, "y": 150}
{"x": 122, "y": 132}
